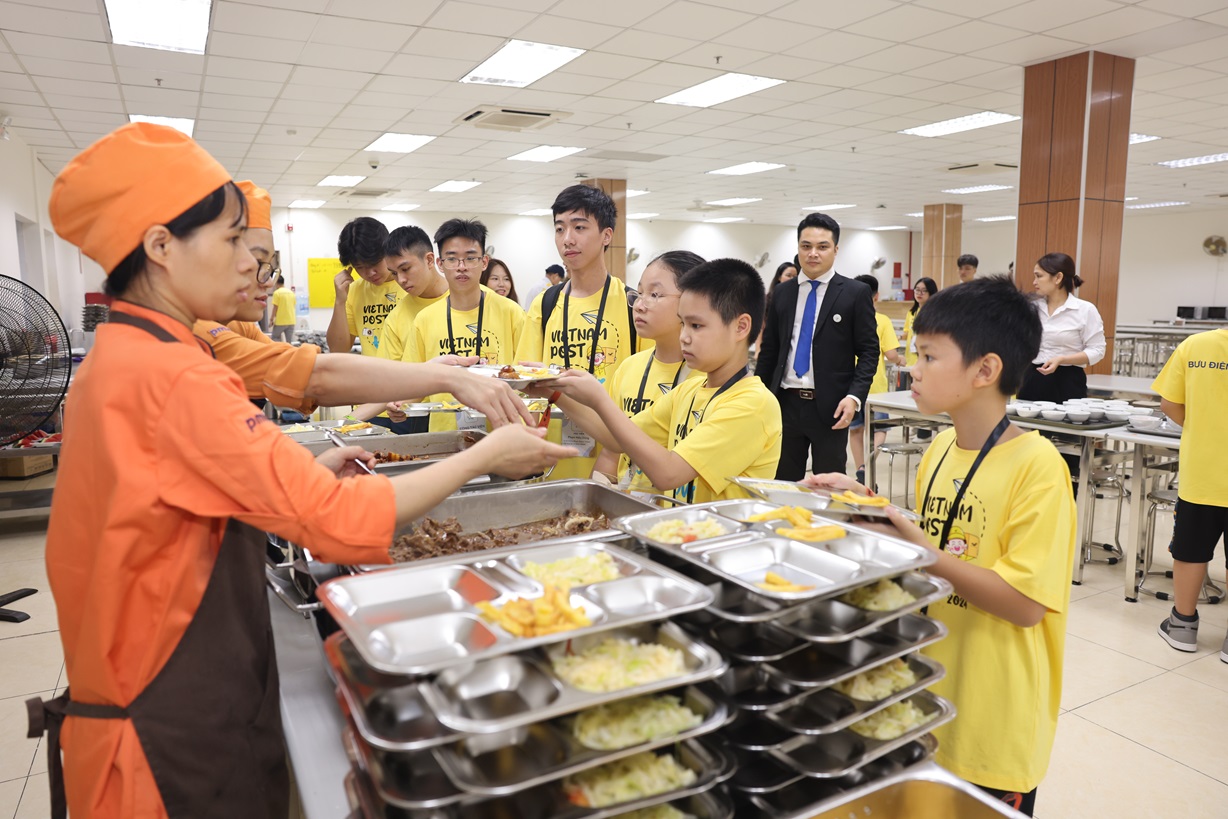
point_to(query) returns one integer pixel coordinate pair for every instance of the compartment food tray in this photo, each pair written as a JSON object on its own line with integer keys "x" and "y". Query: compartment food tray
{"x": 422, "y": 617}
{"x": 832, "y": 620}
{"x": 509, "y": 692}
{"x": 787, "y": 493}
{"x": 523, "y": 380}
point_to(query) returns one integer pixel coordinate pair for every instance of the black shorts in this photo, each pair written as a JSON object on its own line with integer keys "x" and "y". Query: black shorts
{"x": 1025, "y": 803}
{"x": 1196, "y": 529}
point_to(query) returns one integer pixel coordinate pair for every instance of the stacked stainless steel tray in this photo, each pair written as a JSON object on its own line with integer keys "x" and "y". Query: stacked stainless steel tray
{"x": 792, "y": 650}
{"x": 452, "y": 716}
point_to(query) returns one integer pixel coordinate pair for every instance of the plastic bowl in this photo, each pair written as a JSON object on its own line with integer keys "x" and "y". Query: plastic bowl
{"x": 1028, "y": 412}
{"x": 1096, "y": 413}
{"x": 1078, "y": 416}
{"x": 1116, "y": 417}
{"x": 1053, "y": 414}
{"x": 1145, "y": 421}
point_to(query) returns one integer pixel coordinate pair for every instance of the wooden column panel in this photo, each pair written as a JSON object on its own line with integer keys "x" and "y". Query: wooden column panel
{"x": 616, "y": 251}
{"x": 1069, "y": 115}
{"x": 941, "y": 242}
{"x": 1037, "y": 133}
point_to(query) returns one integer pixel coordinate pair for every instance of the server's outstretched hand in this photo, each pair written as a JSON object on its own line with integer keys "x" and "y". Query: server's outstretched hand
{"x": 518, "y": 451}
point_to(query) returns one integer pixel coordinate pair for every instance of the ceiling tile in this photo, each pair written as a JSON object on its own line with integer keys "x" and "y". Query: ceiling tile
{"x": 457, "y": 46}
{"x": 1029, "y": 50}
{"x": 431, "y": 68}
{"x": 244, "y": 69}
{"x": 243, "y": 88}
{"x": 50, "y": 21}
{"x": 298, "y": 91}
{"x": 226, "y": 44}
{"x": 701, "y": 22}
{"x": 389, "y": 11}
{"x": 168, "y": 79}
{"x": 244, "y": 18}
{"x": 840, "y": 47}
{"x": 74, "y": 103}
{"x": 636, "y": 43}
{"x": 38, "y": 45}
{"x": 344, "y": 57}
{"x": 900, "y": 59}
{"x": 1123, "y": 22}
{"x": 833, "y": 15}
{"x": 905, "y": 23}
{"x": 479, "y": 19}
{"x": 957, "y": 38}
{"x": 66, "y": 69}
{"x": 1054, "y": 13}
{"x": 361, "y": 34}
{"x": 55, "y": 85}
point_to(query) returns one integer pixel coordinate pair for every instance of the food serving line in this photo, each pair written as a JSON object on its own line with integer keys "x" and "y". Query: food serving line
{"x": 471, "y": 685}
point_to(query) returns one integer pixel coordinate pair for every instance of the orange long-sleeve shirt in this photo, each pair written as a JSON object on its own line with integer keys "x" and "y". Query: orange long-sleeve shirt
{"x": 163, "y": 447}
{"x": 269, "y": 369}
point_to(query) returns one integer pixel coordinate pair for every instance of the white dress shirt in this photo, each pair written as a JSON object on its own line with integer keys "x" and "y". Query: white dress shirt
{"x": 806, "y": 382}
{"x": 1075, "y": 327}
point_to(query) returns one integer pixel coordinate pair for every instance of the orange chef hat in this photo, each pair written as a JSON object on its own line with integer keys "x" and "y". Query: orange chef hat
{"x": 259, "y": 205}
{"x": 135, "y": 177}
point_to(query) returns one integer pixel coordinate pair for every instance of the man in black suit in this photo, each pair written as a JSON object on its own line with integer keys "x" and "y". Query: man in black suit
{"x": 829, "y": 318}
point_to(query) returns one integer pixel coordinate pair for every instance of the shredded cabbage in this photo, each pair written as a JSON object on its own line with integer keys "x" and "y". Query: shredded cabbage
{"x": 574, "y": 571}
{"x": 885, "y": 595}
{"x": 679, "y": 531}
{"x": 879, "y": 683}
{"x": 615, "y": 664}
{"x": 893, "y": 721}
{"x": 630, "y": 722}
{"x": 627, "y": 779}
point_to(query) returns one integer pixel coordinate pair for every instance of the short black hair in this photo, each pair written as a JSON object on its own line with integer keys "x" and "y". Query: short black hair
{"x": 362, "y": 242}
{"x": 678, "y": 261}
{"x": 594, "y": 202}
{"x": 732, "y": 287}
{"x": 280, "y": 279}
{"x": 471, "y": 229}
{"x": 869, "y": 280}
{"x": 185, "y": 224}
{"x": 407, "y": 239}
{"x": 988, "y": 315}
{"x": 555, "y": 270}
{"x": 820, "y": 220}
{"x": 968, "y": 259}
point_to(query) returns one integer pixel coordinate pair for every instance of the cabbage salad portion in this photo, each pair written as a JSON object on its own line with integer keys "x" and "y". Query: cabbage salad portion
{"x": 632, "y": 722}
{"x": 885, "y": 595}
{"x": 878, "y": 683}
{"x": 892, "y": 722}
{"x": 627, "y": 779}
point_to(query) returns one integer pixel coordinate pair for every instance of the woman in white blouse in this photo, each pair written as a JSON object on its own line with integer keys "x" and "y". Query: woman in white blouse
{"x": 1072, "y": 338}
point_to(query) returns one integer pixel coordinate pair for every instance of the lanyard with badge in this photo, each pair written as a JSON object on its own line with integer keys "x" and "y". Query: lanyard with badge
{"x": 1001, "y": 428}
{"x": 592, "y": 358}
{"x": 690, "y": 487}
{"x": 626, "y": 479}
{"x": 452, "y": 339}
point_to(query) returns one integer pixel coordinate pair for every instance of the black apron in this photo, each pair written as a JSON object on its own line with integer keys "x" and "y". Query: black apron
{"x": 210, "y": 722}
{"x": 1066, "y": 382}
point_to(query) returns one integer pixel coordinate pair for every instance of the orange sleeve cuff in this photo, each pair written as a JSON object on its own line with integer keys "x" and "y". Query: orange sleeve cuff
{"x": 287, "y": 376}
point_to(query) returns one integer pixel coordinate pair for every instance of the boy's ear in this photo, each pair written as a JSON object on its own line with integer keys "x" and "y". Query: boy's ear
{"x": 742, "y": 325}
{"x": 988, "y": 371}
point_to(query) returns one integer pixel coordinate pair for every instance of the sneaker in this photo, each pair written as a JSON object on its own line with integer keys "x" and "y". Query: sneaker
{"x": 861, "y": 476}
{"x": 1223, "y": 652}
{"x": 1179, "y": 634}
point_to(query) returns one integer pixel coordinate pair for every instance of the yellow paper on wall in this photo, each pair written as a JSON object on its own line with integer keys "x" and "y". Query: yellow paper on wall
{"x": 320, "y": 275}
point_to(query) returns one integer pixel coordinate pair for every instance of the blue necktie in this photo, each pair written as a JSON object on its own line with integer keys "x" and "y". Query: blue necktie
{"x": 801, "y": 356}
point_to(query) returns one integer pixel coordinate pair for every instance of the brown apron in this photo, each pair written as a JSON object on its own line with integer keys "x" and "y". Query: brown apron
{"x": 210, "y": 722}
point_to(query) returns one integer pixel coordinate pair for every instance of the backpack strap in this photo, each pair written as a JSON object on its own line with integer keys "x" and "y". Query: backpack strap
{"x": 550, "y": 300}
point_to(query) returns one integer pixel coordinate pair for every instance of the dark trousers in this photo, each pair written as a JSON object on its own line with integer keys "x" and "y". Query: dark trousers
{"x": 1065, "y": 383}
{"x": 410, "y": 426}
{"x": 806, "y": 432}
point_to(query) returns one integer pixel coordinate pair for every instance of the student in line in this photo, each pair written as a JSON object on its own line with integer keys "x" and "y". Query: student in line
{"x": 408, "y": 253}
{"x": 646, "y": 376}
{"x": 283, "y": 318}
{"x": 967, "y": 265}
{"x": 997, "y": 505}
{"x": 889, "y": 345}
{"x": 706, "y": 430}
{"x": 361, "y": 306}
{"x": 498, "y": 278}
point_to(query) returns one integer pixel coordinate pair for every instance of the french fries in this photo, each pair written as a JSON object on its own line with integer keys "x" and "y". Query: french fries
{"x": 814, "y": 534}
{"x": 775, "y": 583}
{"x": 342, "y": 430}
{"x": 536, "y": 617}
{"x": 795, "y": 515}
{"x": 853, "y": 499}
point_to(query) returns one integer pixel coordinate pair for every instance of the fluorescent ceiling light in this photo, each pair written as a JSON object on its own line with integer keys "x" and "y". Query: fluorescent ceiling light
{"x": 1194, "y": 160}
{"x": 1131, "y": 199}
{"x": 545, "y": 153}
{"x": 737, "y": 200}
{"x": 178, "y": 123}
{"x": 996, "y": 219}
{"x": 520, "y": 63}
{"x": 454, "y": 186}
{"x": 979, "y": 189}
{"x": 1155, "y": 205}
{"x": 336, "y": 181}
{"x": 955, "y": 126}
{"x": 538, "y": 212}
{"x": 398, "y": 143}
{"x": 916, "y": 215}
{"x": 179, "y": 26}
{"x": 891, "y": 227}
{"x": 307, "y": 203}
{"x": 630, "y": 193}
{"x": 720, "y": 220}
{"x": 825, "y": 208}
{"x": 1137, "y": 138}
{"x": 642, "y": 215}
{"x": 402, "y": 208}
{"x": 719, "y": 89}
{"x": 747, "y": 167}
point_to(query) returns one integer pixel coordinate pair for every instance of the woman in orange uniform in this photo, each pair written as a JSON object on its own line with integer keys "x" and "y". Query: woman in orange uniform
{"x": 157, "y": 573}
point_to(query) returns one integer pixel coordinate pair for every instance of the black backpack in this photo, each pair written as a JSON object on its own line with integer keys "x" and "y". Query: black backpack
{"x": 551, "y": 298}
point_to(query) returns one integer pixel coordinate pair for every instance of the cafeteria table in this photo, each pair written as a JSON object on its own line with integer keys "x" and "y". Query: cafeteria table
{"x": 1123, "y": 385}
{"x": 1144, "y": 445}
{"x": 901, "y": 404}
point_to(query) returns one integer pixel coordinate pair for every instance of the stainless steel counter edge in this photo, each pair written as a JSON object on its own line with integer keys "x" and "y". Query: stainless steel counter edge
{"x": 311, "y": 718}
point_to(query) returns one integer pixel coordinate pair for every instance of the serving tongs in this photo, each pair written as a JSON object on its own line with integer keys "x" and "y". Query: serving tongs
{"x": 337, "y": 441}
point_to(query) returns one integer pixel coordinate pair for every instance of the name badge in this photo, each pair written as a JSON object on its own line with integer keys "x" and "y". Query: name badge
{"x": 836, "y": 318}
{"x": 573, "y": 435}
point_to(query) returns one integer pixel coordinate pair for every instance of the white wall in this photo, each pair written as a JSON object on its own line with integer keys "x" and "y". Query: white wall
{"x": 526, "y": 244}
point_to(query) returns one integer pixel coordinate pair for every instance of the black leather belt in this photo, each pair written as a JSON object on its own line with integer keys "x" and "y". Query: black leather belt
{"x": 806, "y": 395}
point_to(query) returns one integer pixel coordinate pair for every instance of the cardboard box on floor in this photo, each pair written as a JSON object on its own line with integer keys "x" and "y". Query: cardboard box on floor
{"x": 29, "y": 466}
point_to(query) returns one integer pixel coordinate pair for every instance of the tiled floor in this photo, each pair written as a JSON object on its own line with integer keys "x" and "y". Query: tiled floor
{"x": 1141, "y": 733}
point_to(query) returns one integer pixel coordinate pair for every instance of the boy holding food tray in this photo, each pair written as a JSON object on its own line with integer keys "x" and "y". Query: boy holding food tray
{"x": 706, "y": 430}
{"x": 996, "y": 502}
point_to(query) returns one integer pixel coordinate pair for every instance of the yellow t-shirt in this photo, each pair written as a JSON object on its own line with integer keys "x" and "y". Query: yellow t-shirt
{"x": 656, "y": 379}
{"x": 1017, "y": 519}
{"x": 613, "y": 347}
{"x": 1196, "y": 375}
{"x": 739, "y": 434}
{"x": 910, "y": 343}
{"x": 400, "y": 325}
{"x": 283, "y": 300}
{"x": 887, "y": 341}
{"x": 366, "y": 308}
{"x": 502, "y": 324}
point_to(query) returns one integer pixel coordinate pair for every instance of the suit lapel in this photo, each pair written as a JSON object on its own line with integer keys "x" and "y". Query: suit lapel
{"x": 786, "y": 295}
{"x": 829, "y": 302}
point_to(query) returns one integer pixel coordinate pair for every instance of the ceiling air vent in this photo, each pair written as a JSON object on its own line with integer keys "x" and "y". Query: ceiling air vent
{"x": 510, "y": 119}
{"x": 981, "y": 168}
{"x": 623, "y": 156}
{"x": 365, "y": 193}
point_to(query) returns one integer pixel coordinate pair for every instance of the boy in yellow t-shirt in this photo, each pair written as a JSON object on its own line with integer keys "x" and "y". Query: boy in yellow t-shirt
{"x": 888, "y": 345}
{"x": 646, "y": 376}
{"x": 472, "y": 320}
{"x": 361, "y": 306}
{"x": 409, "y": 255}
{"x": 283, "y": 317}
{"x": 1193, "y": 388}
{"x": 997, "y": 504}
{"x": 584, "y": 323}
{"x": 705, "y": 431}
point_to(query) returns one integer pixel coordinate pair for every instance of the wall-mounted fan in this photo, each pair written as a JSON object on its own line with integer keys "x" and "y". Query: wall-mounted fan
{"x": 490, "y": 250}
{"x": 762, "y": 260}
{"x": 877, "y": 263}
{"x": 632, "y": 255}
{"x": 1215, "y": 246}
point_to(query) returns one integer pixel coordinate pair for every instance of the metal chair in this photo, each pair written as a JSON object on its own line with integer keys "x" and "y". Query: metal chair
{"x": 907, "y": 450}
{"x": 1166, "y": 500}
{"x": 1107, "y": 482}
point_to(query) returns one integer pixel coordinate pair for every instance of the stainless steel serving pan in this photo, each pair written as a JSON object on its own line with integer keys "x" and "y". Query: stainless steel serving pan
{"x": 833, "y": 621}
{"x": 422, "y": 618}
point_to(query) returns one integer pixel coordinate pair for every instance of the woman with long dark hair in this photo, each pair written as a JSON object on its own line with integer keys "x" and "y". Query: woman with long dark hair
{"x": 498, "y": 278}
{"x": 921, "y": 291}
{"x": 1073, "y": 333}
